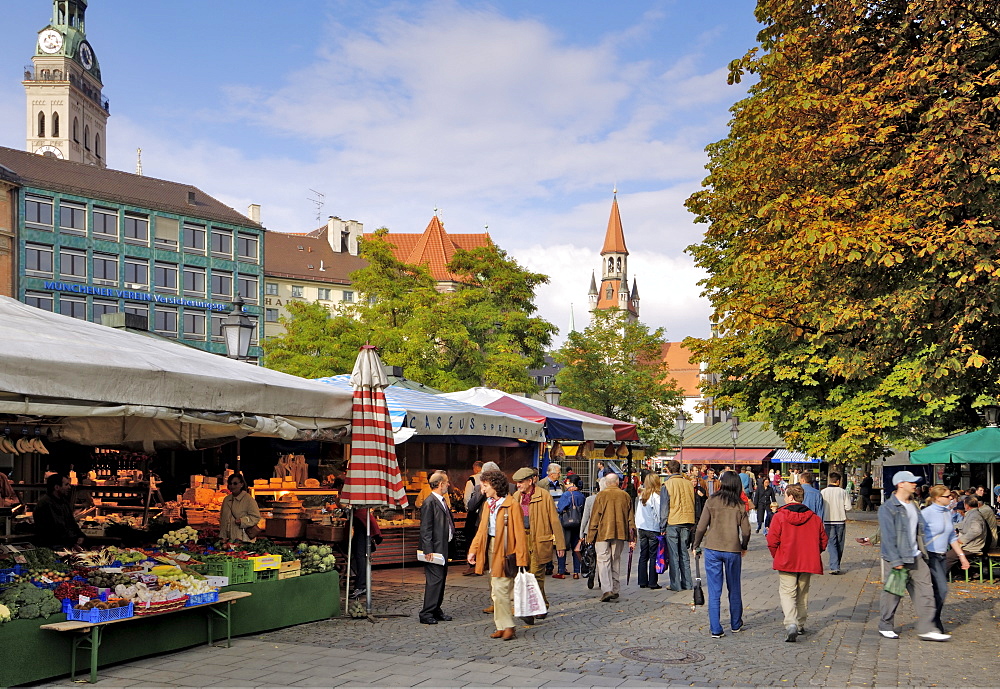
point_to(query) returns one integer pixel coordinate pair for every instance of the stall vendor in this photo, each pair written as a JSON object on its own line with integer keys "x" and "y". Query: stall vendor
{"x": 55, "y": 525}
{"x": 240, "y": 516}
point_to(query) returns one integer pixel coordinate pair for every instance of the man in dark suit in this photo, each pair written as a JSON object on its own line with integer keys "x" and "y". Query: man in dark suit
{"x": 436, "y": 530}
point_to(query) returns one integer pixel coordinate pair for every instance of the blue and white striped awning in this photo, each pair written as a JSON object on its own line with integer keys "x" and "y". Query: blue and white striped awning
{"x": 790, "y": 457}
{"x": 418, "y": 413}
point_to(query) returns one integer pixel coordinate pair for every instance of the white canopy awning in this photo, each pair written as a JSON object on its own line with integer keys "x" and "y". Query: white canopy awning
{"x": 109, "y": 384}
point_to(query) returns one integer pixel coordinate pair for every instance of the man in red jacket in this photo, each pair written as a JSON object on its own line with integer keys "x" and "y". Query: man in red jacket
{"x": 796, "y": 540}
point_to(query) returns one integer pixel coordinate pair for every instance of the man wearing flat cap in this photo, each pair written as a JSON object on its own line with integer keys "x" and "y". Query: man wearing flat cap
{"x": 902, "y": 527}
{"x": 541, "y": 526}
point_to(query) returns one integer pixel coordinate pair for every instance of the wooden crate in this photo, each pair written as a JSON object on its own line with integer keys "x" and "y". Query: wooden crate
{"x": 285, "y": 528}
{"x": 322, "y": 532}
{"x": 292, "y": 566}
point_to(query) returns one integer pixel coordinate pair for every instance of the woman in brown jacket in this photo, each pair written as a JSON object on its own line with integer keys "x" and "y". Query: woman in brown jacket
{"x": 500, "y": 533}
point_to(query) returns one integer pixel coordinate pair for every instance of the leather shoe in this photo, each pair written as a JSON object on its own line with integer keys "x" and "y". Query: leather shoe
{"x": 576, "y": 576}
{"x": 542, "y": 616}
{"x": 488, "y": 610}
{"x": 607, "y": 597}
{"x": 444, "y": 618}
{"x": 430, "y": 621}
{"x": 614, "y": 596}
{"x": 498, "y": 634}
{"x": 558, "y": 576}
{"x": 508, "y": 634}
{"x": 654, "y": 586}
{"x": 529, "y": 619}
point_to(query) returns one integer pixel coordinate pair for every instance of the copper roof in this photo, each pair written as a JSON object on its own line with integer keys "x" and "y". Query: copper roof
{"x": 290, "y": 255}
{"x": 614, "y": 240}
{"x": 688, "y": 376}
{"x": 93, "y": 182}
{"x": 434, "y": 248}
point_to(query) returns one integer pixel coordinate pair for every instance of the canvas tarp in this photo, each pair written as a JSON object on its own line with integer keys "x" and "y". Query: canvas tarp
{"x": 110, "y": 384}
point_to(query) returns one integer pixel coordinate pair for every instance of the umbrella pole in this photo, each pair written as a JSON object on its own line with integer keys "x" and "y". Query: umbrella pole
{"x": 350, "y": 540}
{"x": 368, "y": 564}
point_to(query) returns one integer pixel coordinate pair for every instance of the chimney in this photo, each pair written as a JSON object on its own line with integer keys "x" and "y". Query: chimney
{"x": 253, "y": 212}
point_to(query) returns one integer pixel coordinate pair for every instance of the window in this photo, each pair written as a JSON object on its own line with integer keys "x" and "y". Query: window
{"x": 102, "y": 307}
{"x": 271, "y": 289}
{"x": 38, "y": 211}
{"x": 138, "y": 310}
{"x": 194, "y": 326}
{"x": 194, "y": 281}
{"x": 41, "y": 125}
{"x": 38, "y": 260}
{"x": 55, "y": 125}
{"x": 137, "y": 229}
{"x": 256, "y": 328}
{"x": 222, "y": 284}
{"x": 222, "y": 242}
{"x": 270, "y": 315}
{"x": 76, "y": 130}
{"x": 194, "y": 238}
{"x": 217, "y": 320}
{"x": 105, "y": 223}
{"x": 72, "y": 219}
{"x": 73, "y": 264}
{"x": 39, "y": 300}
{"x": 165, "y": 232}
{"x": 248, "y": 289}
{"x": 97, "y": 145}
{"x": 324, "y": 294}
{"x": 106, "y": 268}
{"x": 86, "y": 136}
{"x": 348, "y": 297}
{"x": 246, "y": 246}
{"x": 136, "y": 273}
{"x": 165, "y": 276}
{"x": 165, "y": 321}
{"x": 75, "y": 308}
{"x": 297, "y": 291}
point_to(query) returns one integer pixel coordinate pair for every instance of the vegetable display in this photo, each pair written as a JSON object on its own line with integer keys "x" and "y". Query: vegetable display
{"x": 29, "y": 602}
{"x": 316, "y": 558}
{"x": 178, "y": 537}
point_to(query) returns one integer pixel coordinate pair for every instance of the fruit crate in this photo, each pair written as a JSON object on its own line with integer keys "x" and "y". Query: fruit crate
{"x": 238, "y": 571}
{"x": 266, "y": 574}
{"x": 202, "y": 598}
{"x": 96, "y": 615}
{"x": 7, "y": 576}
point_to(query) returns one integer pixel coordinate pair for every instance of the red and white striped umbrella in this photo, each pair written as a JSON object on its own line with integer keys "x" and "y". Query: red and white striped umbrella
{"x": 373, "y": 473}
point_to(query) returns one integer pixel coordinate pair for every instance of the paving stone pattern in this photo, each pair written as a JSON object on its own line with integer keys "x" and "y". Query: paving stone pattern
{"x": 581, "y": 641}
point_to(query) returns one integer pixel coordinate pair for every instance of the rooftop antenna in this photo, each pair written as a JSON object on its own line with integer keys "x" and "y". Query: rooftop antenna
{"x": 319, "y": 202}
{"x": 572, "y": 319}
{"x": 138, "y": 161}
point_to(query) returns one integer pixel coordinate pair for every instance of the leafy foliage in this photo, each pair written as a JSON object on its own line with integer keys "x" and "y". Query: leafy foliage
{"x": 615, "y": 368}
{"x": 852, "y": 248}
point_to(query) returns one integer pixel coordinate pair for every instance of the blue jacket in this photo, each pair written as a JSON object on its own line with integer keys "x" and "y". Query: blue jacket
{"x": 894, "y": 526}
{"x": 814, "y": 500}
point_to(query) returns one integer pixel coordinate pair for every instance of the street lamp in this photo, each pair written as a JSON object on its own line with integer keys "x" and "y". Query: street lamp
{"x": 681, "y": 424}
{"x": 991, "y": 415}
{"x": 734, "y": 433}
{"x": 552, "y": 393}
{"x": 237, "y": 329}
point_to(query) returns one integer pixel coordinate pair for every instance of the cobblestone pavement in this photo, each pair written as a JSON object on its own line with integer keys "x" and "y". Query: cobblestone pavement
{"x": 645, "y": 637}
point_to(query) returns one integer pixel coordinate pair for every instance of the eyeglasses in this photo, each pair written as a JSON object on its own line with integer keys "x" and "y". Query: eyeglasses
{"x": 947, "y": 496}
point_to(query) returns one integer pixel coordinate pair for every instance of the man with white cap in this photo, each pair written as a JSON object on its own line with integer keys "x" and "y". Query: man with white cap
{"x": 902, "y": 528}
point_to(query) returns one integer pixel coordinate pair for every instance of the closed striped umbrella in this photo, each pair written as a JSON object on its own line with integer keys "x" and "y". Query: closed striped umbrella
{"x": 373, "y": 473}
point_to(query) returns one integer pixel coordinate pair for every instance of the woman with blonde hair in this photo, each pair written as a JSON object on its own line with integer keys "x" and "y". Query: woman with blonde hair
{"x": 940, "y": 537}
{"x": 650, "y": 524}
{"x": 500, "y": 533}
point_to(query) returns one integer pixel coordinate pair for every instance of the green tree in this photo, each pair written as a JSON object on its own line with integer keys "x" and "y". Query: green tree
{"x": 852, "y": 248}
{"x": 315, "y": 344}
{"x": 615, "y": 368}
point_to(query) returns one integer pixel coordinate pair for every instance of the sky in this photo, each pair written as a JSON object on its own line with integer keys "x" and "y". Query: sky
{"x": 519, "y": 117}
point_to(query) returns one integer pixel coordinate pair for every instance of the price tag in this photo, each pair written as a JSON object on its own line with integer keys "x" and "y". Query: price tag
{"x": 20, "y": 559}
{"x": 84, "y": 600}
{"x": 46, "y": 580}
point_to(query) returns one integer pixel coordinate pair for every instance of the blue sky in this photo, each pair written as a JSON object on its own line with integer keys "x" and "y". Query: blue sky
{"x": 520, "y": 116}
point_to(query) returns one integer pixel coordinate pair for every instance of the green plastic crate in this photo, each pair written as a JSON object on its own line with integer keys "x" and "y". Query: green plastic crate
{"x": 266, "y": 574}
{"x": 238, "y": 571}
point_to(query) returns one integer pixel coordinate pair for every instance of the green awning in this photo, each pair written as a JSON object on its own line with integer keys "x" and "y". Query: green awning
{"x": 978, "y": 447}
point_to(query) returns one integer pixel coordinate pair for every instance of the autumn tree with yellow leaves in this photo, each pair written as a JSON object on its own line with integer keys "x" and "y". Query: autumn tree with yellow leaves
{"x": 852, "y": 243}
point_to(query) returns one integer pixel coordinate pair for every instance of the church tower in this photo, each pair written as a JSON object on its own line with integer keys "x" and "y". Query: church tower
{"x": 67, "y": 113}
{"x": 614, "y": 291}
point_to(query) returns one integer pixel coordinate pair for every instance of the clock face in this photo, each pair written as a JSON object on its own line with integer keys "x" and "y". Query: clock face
{"x": 50, "y": 41}
{"x": 50, "y": 151}
{"x": 86, "y": 56}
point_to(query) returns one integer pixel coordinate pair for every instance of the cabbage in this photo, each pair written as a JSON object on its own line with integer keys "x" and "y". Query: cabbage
{"x": 5, "y": 613}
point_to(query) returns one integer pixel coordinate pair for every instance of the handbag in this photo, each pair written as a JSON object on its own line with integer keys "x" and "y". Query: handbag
{"x": 510, "y": 559}
{"x": 895, "y": 583}
{"x": 662, "y": 555}
{"x": 528, "y": 599}
{"x": 699, "y": 595}
{"x": 572, "y": 515}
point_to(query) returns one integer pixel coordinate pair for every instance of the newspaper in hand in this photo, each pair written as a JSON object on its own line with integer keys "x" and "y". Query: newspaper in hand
{"x": 436, "y": 558}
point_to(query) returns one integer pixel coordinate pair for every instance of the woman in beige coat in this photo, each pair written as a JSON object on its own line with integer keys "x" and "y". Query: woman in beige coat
{"x": 500, "y": 533}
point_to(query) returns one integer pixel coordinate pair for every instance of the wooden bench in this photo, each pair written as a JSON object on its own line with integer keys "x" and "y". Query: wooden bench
{"x": 92, "y": 641}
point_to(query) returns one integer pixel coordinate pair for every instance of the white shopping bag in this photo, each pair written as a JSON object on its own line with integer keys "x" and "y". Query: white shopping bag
{"x": 528, "y": 599}
{"x": 753, "y": 517}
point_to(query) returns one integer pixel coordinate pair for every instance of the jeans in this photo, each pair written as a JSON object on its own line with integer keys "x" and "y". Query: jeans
{"x": 921, "y": 591}
{"x": 678, "y": 547}
{"x": 835, "y": 546}
{"x": 717, "y": 563}
{"x": 572, "y": 536}
{"x": 939, "y": 580}
{"x": 648, "y": 544}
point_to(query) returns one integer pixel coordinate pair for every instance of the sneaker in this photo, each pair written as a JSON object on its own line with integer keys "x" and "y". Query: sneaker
{"x": 888, "y": 634}
{"x": 934, "y": 636}
{"x": 791, "y": 634}
{"x": 719, "y": 635}
{"x": 654, "y": 587}
{"x": 835, "y": 571}
{"x": 737, "y": 631}
{"x": 801, "y": 631}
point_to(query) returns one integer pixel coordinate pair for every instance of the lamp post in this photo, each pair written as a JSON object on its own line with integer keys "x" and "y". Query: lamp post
{"x": 991, "y": 414}
{"x": 552, "y": 393}
{"x": 237, "y": 329}
{"x": 734, "y": 433}
{"x": 681, "y": 423}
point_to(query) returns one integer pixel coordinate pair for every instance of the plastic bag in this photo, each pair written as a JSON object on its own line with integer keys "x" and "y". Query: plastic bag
{"x": 895, "y": 583}
{"x": 662, "y": 555}
{"x": 528, "y": 600}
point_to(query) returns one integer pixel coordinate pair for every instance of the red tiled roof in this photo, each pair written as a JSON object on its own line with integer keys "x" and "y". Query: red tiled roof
{"x": 434, "y": 248}
{"x": 614, "y": 240}
{"x": 284, "y": 257}
{"x": 677, "y": 357}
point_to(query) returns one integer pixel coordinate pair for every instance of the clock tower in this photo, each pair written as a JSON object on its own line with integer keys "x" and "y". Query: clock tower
{"x": 67, "y": 113}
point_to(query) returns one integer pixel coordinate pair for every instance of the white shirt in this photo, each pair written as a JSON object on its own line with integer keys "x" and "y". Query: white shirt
{"x": 647, "y": 517}
{"x": 494, "y": 505}
{"x": 914, "y": 514}
{"x": 836, "y": 502}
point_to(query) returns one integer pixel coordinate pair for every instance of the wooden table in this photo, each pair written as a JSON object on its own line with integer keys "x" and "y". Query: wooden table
{"x": 92, "y": 641}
